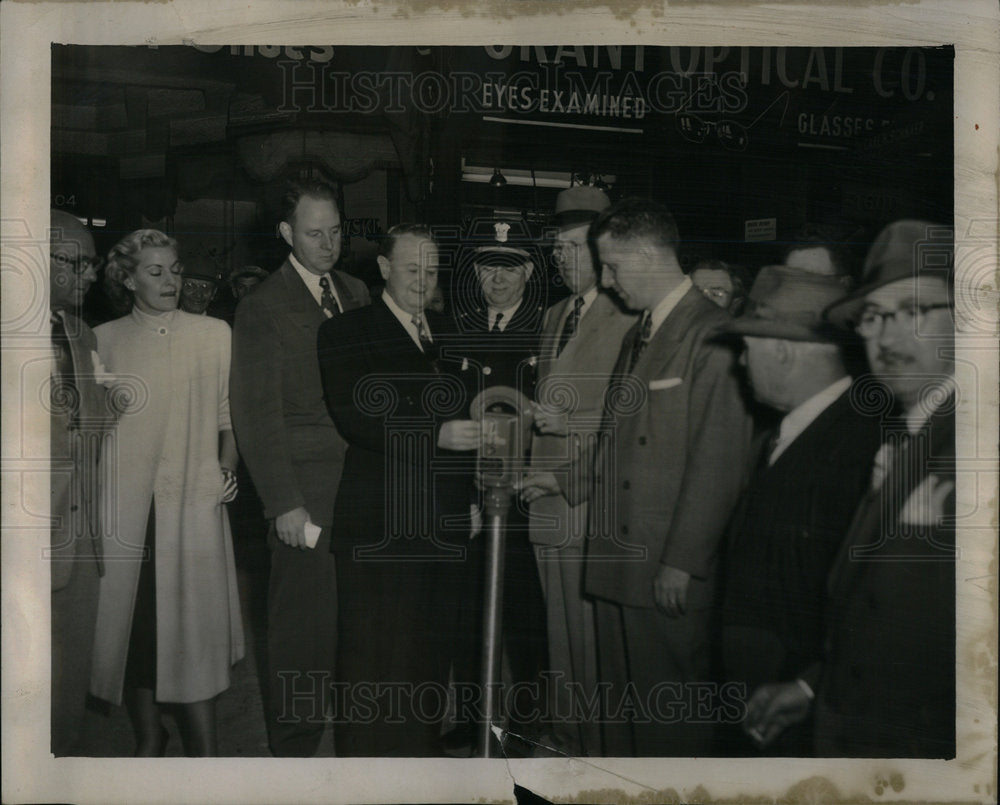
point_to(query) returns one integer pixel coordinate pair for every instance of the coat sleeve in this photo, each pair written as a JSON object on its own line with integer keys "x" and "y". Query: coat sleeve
{"x": 256, "y": 395}
{"x": 718, "y": 441}
{"x": 225, "y": 347}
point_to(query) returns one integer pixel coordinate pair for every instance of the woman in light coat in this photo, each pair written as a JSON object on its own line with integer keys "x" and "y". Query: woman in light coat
{"x": 168, "y": 623}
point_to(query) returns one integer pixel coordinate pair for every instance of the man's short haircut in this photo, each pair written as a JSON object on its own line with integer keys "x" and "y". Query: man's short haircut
{"x": 295, "y": 190}
{"x": 638, "y": 218}
{"x": 821, "y": 236}
{"x": 388, "y": 240}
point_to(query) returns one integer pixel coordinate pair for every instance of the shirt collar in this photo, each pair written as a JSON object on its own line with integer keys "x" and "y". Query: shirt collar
{"x": 312, "y": 280}
{"x": 508, "y": 314}
{"x": 588, "y": 300}
{"x": 933, "y": 398}
{"x": 804, "y": 414}
{"x": 659, "y": 313}
{"x": 406, "y": 319}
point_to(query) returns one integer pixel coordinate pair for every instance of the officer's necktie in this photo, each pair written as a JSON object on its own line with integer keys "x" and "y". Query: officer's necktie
{"x": 570, "y": 325}
{"x": 327, "y": 302}
{"x": 496, "y": 324}
{"x": 641, "y": 340}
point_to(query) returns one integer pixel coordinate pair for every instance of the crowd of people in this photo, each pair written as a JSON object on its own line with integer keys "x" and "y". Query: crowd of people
{"x": 732, "y": 532}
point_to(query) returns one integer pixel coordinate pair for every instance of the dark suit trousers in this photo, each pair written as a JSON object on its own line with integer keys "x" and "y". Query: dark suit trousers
{"x": 660, "y": 699}
{"x": 74, "y": 612}
{"x": 301, "y": 644}
{"x": 391, "y": 692}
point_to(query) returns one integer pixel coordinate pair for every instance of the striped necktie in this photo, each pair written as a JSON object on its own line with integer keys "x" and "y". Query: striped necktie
{"x": 569, "y": 327}
{"x": 327, "y": 302}
{"x": 642, "y": 337}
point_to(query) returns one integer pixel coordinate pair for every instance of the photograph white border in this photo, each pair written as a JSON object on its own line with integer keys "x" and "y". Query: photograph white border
{"x": 27, "y": 31}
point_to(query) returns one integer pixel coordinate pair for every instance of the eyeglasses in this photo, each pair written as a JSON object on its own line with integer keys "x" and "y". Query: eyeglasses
{"x": 80, "y": 265}
{"x": 716, "y": 293}
{"x": 872, "y": 320}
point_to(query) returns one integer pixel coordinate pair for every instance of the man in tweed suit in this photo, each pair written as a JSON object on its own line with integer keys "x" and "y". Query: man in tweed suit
{"x": 295, "y": 457}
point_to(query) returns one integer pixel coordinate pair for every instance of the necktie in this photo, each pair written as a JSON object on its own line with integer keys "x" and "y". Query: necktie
{"x": 327, "y": 302}
{"x": 643, "y": 335}
{"x": 897, "y": 439}
{"x": 422, "y": 334}
{"x": 63, "y": 387}
{"x": 496, "y": 324}
{"x": 570, "y": 325}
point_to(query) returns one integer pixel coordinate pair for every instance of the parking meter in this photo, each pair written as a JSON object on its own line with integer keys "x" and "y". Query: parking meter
{"x": 506, "y": 419}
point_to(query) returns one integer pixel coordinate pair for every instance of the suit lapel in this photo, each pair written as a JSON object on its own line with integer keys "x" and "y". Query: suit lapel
{"x": 397, "y": 340}
{"x": 667, "y": 339}
{"x": 348, "y": 300}
{"x": 301, "y": 304}
{"x": 551, "y": 332}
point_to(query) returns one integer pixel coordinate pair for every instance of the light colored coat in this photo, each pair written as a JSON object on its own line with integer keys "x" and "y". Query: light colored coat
{"x": 167, "y": 448}
{"x": 574, "y": 382}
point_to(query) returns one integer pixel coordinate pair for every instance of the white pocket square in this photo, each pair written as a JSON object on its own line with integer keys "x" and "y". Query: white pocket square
{"x": 665, "y": 383}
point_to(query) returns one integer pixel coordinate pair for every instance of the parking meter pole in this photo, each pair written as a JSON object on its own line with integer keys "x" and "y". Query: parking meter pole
{"x": 497, "y": 504}
{"x": 506, "y": 418}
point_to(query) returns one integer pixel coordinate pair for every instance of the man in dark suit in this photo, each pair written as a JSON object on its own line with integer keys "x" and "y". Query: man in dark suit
{"x": 886, "y": 684}
{"x": 811, "y": 474}
{"x": 666, "y": 474}
{"x": 295, "y": 457}
{"x": 401, "y": 523}
{"x": 581, "y": 338}
{"x": 79, "y": 418}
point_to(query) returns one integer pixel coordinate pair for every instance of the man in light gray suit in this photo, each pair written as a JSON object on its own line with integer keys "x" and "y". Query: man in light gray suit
{"x": 581, "y": 337}
{"x": 80, "y": 420}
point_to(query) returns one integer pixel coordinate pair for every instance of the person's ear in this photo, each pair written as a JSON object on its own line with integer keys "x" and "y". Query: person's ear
{"x": 285, "y": 230}
{"x": 528, "y": 268}
{"x": 783, "y": 351}
{"x": 129, "y": 283}
{"x": 383, "y": 266}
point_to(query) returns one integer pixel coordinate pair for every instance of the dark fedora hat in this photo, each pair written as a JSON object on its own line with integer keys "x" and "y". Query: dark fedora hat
{"x": 903, "y": 250}
{"x": 199, "y": 267}
{"x": 787, "y": 302}
{"x": 579, "y": 205}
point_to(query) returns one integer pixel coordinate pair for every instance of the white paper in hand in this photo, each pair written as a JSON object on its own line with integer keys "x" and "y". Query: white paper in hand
{"x": 312, "y": 533}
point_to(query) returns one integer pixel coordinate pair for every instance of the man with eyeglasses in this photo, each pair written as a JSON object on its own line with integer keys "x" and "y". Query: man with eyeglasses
{"x": 78, "y": 411}
{"x": 886, "y": 686}
{"x": 199, "y": 284}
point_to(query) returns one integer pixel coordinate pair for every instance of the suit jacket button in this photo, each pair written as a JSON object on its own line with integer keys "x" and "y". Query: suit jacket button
{"x": 626, "y": 485}
{"x": 624, "y": 529}
{"x": 642, "y": 440}
{"x": 73, "y": 508}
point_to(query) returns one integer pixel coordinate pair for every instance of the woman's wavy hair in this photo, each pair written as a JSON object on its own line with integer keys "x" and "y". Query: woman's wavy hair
{"x": 124, "y": 257}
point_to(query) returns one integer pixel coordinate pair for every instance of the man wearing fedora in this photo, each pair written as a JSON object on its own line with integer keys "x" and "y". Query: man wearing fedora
{"x": 581, "y": 336}
{"x": 886, "y": 684}
{"x": 200, "y": 284}
{"x": 811, "y": 473}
